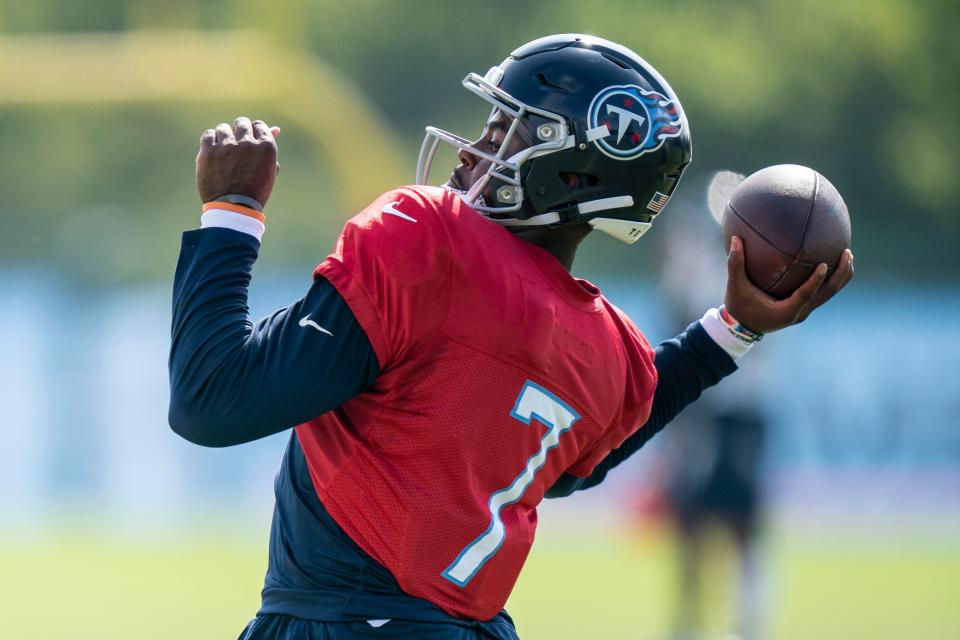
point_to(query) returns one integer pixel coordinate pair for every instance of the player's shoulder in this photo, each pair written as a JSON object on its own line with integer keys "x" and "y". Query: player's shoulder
{"x": 413, "y": 204}
{"x": 638, "y": 360}
{"x": 418, "y": 216}
{"x": 403, "y": 230}
{"x": 427, "y": 211}
{"x": 637, "y": 348}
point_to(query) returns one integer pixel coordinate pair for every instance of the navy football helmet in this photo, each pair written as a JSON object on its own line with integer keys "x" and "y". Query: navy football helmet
{"x": 591, "y": 108}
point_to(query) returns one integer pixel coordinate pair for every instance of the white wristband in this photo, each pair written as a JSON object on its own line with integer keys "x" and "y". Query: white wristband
{"x": 232, "y": 220}
{"x": 717, "y": 329}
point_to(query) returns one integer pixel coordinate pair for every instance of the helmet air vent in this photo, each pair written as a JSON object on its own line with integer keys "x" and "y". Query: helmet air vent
{"x": 615, "y": 60}
{"x": 545, "y": 81}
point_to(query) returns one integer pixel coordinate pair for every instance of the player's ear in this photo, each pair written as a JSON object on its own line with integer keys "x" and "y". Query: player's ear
{"x": 572, "y": 180}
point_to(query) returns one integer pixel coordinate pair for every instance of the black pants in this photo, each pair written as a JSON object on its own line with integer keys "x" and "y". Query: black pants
{"x": 277, "y": 627}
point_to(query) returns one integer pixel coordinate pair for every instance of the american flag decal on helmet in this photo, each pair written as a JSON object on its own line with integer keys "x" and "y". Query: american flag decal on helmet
{"x": 658, "y": 202}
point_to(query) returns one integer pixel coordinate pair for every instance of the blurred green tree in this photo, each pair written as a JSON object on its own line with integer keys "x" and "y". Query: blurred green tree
{"x": 866, "y": 92}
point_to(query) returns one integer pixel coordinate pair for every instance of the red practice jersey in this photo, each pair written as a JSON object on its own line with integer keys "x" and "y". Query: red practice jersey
{"x": 499, "y": 372}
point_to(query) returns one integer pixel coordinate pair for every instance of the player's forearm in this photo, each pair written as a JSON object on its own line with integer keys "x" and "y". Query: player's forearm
{"x": 686, "y": 366}
{"x": 233, "y": 381}
{"x": 210, "y": 327}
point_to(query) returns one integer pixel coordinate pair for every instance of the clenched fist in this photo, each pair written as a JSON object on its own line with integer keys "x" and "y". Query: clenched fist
{"x": 238, "y": 160}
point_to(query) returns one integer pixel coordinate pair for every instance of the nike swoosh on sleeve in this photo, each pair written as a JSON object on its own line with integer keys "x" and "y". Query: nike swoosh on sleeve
{"x": 305, "y": 321}
{"x": 376, "y": 624}
{"x": 392, "y": 210}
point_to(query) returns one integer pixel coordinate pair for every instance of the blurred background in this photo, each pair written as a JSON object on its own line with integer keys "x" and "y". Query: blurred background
{"x": 839, "y": 440}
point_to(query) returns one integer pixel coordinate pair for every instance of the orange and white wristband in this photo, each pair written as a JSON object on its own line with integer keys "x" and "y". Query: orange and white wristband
{"x": 726, "y": 334}
{"x": 229, "y": 215}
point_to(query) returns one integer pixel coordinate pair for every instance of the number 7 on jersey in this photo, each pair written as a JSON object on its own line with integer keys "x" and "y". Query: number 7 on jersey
{"x": 533, "y": 402}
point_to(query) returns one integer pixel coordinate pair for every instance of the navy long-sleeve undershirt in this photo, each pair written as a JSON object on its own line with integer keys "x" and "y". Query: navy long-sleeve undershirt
{"x": 233, "y": 381}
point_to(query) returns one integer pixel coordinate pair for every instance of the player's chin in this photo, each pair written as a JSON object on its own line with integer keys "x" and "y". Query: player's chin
{"x": 454, "y": 183}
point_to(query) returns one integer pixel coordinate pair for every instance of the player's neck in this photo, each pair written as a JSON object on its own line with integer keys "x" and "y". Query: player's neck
{"x": 562, "y": 243}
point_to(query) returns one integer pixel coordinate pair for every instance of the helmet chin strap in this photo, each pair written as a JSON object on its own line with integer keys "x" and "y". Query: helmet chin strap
{"x": 624, "y": 230}
{"x": 474, "y": 196}
{"x": 540, "y": 220}
{"x": 628, "y": 231}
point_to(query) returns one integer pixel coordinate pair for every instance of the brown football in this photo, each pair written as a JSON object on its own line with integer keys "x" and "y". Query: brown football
{"x": 790, "y": 219}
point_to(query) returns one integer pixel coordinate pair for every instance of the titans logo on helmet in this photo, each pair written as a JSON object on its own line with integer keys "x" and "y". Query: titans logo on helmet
{"x": 638, "y": 120}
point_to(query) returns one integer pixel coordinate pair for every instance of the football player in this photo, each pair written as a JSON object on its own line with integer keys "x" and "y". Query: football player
{"x": 445, "y": 372}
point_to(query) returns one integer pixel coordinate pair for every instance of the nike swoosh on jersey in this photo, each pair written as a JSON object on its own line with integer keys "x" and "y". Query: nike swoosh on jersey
{"x": 305, "y": 321}
{"x": 392, "y": 210}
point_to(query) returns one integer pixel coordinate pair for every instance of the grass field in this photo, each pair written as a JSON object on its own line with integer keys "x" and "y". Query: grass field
{"x": 903, "y": 587}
